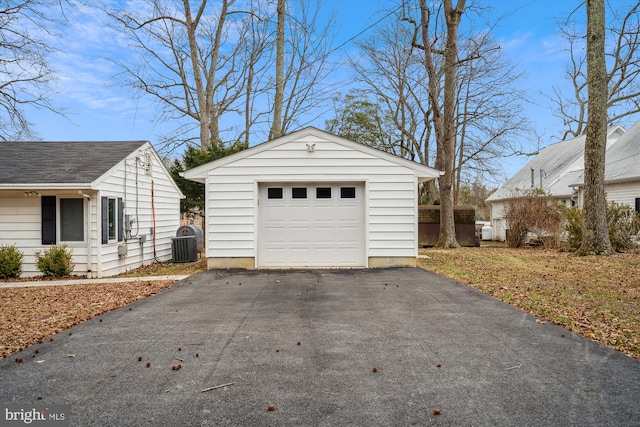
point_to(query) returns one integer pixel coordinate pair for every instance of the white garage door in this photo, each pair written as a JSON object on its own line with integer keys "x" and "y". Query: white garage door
{"x": 311, "y": 225}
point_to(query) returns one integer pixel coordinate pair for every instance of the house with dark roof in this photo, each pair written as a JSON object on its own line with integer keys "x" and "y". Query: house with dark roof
{"x": 556, "y": 169}
{"x": 113, "y": 204}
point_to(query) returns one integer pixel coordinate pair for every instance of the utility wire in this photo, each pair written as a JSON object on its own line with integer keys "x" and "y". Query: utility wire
{"x": 352, "y": 38}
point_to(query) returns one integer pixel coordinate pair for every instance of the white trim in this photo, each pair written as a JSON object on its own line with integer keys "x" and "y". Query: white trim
{"x": 98, "y": 230}
{"x": 46, "y": 186}
{"x": 367, "y": 223}
{"x": 201, "y": 173}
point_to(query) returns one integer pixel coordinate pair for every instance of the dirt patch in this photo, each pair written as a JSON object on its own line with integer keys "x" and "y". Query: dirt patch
{"x": 30, "y": 315}
{"x": 596, "y": 297}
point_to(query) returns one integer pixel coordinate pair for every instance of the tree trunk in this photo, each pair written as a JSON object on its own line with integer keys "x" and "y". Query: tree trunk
{"x": 444, "y": 117}
{"x": 278, "y": 103}
{"x": 203, "y": 105}
{"x": 595, "y": 235}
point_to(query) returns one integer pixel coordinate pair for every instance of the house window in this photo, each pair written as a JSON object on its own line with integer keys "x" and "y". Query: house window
{"x": 63, "y": 219}
{"x": 299, "y": 192}
{"x": 112, "y": 219}
{"x": 347, "y": 192}
{"x": 274, "y": 193}
{"x": 323, "y": 192}
{"x": 72, "y": 220}
{"x": 638, "y": 205}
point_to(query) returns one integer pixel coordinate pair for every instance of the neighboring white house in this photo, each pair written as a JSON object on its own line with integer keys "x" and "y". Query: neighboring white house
{"x": 114, "y": 204}
{"x": 555, "y": 169}
{"x": 622, "y": 171}
{"x": 311, "y": 199}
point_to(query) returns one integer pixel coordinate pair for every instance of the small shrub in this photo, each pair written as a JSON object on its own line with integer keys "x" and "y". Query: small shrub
{"x": 10, "y": 262}
{"x": 55, "y": 262}
{"x": 536, "y": 212}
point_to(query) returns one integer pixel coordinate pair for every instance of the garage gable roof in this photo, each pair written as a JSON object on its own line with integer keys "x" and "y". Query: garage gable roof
{"x": 424, "y": 173}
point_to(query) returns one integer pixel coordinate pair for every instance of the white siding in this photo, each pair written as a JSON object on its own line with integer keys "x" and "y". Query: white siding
{"x": 498, "y": 222}
{"x": 232, "y": 198}
{"x": 21, "y": 225}
{"x": 21, "y": 222}
{"x": 626, "y": 192}
{"x": 621, "y": 192}
{"x": 129, "y": 181}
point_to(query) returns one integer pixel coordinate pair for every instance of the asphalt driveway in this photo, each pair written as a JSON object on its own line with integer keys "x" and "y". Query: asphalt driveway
{"x": 307, "y": 342}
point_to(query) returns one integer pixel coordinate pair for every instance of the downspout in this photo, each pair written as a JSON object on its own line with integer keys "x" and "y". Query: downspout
{"x": 89, "y": 238}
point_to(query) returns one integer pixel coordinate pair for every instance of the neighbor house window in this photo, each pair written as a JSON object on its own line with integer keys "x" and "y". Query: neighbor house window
{"x": 323, "y": 192}
{"x": 71, "y": 220}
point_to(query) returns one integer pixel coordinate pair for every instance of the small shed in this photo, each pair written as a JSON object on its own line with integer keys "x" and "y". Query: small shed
{"x": 311, "y": 199}
{"x": 113, "y": 204}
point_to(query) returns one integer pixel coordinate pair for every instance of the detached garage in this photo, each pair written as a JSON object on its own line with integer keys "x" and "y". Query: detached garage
{"x": 311, "y": 199}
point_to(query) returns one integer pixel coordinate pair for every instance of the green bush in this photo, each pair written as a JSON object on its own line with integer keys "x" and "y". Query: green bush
{"x": 624, "y": 226}
{"x": 10, "y": 262}
{"x": 623, "y": 223}
{"x": 573, "y": 226}
{"x": 55, "y": 262}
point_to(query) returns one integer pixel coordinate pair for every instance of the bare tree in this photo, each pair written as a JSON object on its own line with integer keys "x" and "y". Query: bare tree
{"x": 188, "y": 60}
{"x": 25, "y": 74}
{"x": 395, "y": 77}
{"x": 444, "y": 114}
{"x": 489, "y": 116}
{"x": 307, "y": 65}
{"x": 622, "y": 77}
{"x": 276, "y": 124}
{"x": 489, "y": 119}
{"x": 595, "y": 235}
{"x": 209, "y": 66}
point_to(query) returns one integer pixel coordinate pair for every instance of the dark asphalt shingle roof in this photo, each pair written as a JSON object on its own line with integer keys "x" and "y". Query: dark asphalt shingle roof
{"x": 60, "y": 162}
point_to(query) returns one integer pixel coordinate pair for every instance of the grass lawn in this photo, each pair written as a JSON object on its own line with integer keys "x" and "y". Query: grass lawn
{"x": 596, "y": 297}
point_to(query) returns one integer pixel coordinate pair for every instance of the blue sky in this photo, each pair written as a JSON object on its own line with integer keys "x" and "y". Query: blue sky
{"x": 98, "y": 109}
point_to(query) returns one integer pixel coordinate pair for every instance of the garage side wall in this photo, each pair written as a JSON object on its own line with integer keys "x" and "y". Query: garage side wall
{"x": 232, "y": 202}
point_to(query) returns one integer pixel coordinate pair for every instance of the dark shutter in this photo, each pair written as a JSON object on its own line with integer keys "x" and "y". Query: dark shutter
{"x": 105, "y": 220}
{"x": 48, "y": 220}
{"x": 120, "y": 219}
{"x": 638, "y": 205}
